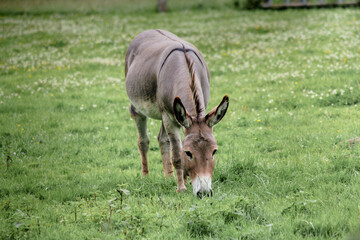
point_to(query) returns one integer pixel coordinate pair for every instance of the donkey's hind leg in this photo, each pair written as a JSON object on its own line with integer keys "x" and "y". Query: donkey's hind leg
{"x": 143, "y": 139}
{"x": 164, "y": 144}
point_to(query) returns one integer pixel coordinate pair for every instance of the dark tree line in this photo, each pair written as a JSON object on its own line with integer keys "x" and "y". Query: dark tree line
{"x": 162, "y": 6}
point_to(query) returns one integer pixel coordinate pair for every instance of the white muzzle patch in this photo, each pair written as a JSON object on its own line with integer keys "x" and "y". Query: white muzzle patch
{"x": 201, "y": 184}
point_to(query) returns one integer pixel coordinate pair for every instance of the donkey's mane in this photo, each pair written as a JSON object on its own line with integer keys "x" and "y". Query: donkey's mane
{"x": 193, "y": 88}
{"x": 191, "y": 68}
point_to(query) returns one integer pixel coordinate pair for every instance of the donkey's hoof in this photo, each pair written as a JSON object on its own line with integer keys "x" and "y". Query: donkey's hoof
{"x": 181, "y": 189}
{"x": 145, "y": 174}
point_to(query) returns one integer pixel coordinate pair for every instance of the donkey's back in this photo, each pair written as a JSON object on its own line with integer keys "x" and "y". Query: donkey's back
{"x": 150, "y": 47}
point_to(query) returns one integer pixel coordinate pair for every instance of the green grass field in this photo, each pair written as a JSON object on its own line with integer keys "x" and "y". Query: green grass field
{"x": 70, "y": 168}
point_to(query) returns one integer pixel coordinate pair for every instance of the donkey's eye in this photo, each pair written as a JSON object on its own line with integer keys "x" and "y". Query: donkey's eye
{"x": 188, "y": 153}
{"x": 213, "y": 154}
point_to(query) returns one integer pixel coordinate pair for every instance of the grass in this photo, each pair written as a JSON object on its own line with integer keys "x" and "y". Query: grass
{"x": 70, "y": 168}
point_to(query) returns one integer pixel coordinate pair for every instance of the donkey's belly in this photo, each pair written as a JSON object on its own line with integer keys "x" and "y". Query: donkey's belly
{"x": 148, "y": 108}
{"x": 141, "y": 89}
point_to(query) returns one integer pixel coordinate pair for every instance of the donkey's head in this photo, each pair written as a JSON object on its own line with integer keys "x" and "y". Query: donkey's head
{"x": 199, "y": 144}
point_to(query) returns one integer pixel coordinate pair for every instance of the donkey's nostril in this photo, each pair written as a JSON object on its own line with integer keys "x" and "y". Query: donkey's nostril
{"x": 208, "y": 194}
{"x": 202, "y": 194}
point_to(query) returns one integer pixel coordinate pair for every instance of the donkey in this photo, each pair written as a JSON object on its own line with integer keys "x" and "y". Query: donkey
{"x": 167, "y": 79}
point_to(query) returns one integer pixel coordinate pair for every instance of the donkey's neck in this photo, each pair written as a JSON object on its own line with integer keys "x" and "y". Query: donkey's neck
{"x": 193, "y": 99}
{"x": 176, "y": 80}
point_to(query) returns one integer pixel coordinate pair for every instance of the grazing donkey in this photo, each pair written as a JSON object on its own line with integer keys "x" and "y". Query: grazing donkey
{"x": 167, "y": 79}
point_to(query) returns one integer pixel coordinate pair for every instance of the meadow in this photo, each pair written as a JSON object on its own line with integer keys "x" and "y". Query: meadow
{"x": 70, "y": 167}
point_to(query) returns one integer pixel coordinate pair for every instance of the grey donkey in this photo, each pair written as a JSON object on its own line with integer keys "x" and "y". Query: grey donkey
{"x": 167, "y": 79}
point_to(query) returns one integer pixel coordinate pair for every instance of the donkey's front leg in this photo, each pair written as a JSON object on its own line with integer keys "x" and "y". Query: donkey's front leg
{"x": 164, "y": 144}
{"x": 176, "y": 148}
{"x": 173, "y": 132}
{"x": 143, "y": 139}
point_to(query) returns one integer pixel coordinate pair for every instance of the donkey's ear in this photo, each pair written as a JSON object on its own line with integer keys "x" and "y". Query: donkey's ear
{"x": 180, "y": 113}
{"x": 215, "y": 115}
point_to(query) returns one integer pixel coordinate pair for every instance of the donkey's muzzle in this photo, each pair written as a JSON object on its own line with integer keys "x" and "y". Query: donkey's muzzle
{"x": 201, "y": 185}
